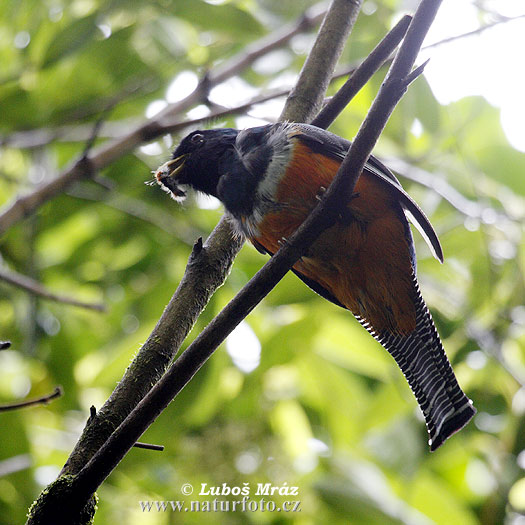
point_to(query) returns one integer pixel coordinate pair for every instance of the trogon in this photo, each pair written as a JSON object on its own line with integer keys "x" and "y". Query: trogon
{"x": 269, "y": 178}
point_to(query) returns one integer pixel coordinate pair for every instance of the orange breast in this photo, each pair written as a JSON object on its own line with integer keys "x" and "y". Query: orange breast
{"x": 365, "y": 264}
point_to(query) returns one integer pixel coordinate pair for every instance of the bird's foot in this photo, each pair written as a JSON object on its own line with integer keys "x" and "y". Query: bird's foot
{"x": 320, "y": 193}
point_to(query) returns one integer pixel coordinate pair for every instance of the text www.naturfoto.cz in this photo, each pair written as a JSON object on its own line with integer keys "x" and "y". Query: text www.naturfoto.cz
{"x": 216, "y": 505}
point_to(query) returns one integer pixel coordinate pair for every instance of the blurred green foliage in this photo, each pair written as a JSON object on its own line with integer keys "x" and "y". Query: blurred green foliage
{"x": 324, "y": 407}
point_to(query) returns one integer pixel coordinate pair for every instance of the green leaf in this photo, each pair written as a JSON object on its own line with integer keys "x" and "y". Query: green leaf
{"x": 226, "y": 17}
{"x": 433, "y": 498}
{"x": 71, "y": 39}
{"x": 504, "y": 164}
{"x": 361, "y": 493}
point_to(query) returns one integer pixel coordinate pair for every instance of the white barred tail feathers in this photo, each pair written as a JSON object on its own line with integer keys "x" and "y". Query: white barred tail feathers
{"x": 423, "y": 361}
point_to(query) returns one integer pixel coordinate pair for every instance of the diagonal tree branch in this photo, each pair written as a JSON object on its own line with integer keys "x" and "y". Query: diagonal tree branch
{"x": 263, "y": 46}
{"x": 103, "y": 462}
{"x": 206, "y": 271}
{"x": 208, "y": 266}
{"x": 114, "y": 130}
{"x": 215, "y": 257}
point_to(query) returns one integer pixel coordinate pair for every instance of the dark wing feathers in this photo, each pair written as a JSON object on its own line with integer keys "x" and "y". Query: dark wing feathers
{"x": 323, "y": 141}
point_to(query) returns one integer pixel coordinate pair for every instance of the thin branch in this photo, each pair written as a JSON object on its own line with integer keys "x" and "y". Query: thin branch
{"x": 362, "y": 74}
{"x": 23, "y": 206}
{"x": 479, "y": 30}
{"x": 207, "y": 268}
{"x": 325, "y": 213}
{"x": 181, "y": 124}
{"x": 114, "y": 130}
{"x": 95, "y": 130}
{"x": 92, "y": 108}
{"x": 265, "y": 45}
{"x": 149, "y": 446}
{"x": 44, "y": 400}
{"x": 35, "y": 288}
{"x": 36, "y": 138}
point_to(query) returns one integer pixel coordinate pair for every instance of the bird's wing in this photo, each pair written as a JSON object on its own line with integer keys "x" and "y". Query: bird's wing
{"x": 322, "y": 141}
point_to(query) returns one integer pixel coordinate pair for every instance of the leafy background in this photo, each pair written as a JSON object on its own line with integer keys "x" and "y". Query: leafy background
{"x": 324, "y": 408}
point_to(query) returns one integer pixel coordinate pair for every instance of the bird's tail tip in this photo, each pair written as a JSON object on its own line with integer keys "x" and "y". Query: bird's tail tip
{"x": 454, "y": 423}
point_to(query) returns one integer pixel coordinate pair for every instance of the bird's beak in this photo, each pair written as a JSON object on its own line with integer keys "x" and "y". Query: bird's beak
{"x": 168, "y": 174}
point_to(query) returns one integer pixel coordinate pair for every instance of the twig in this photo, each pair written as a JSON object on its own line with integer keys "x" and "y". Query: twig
{"x": 114, "y": 130}
{"x": 181, "y": 124}
{"x": 34, "y": 287}
{"x": 266, "y": 44}
{"x": 103, "y": 462}
{"x": 36, "y": 138}
{"x": 106, "y": 154}
{"x": 95, "y": 130}
{"x": 141, "y": 86}
{"x": 362, "y": 74}
{"x": 149, "y": 446}
{"x": 502, "y": 20}
{"x": 44, "y": 400}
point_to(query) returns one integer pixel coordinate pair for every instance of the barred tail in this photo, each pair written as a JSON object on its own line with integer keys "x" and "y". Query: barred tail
{"x": 423, "y": 361}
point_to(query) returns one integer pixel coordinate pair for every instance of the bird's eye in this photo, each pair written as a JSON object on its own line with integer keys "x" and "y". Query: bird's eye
{"x": 198, "y": 138}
